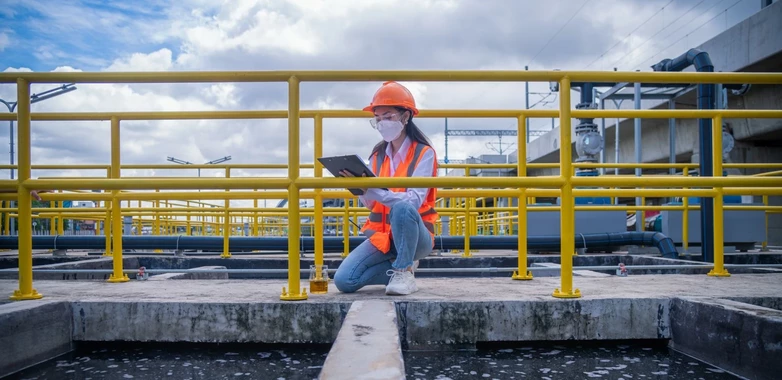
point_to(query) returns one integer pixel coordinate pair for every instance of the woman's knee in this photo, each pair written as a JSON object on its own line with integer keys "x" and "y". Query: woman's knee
{"x": 403, "y": 210}
{"x": 343, "y": 282}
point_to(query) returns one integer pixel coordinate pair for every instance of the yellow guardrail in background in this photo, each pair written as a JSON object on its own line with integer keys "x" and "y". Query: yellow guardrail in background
{"x": 563, "y": 184}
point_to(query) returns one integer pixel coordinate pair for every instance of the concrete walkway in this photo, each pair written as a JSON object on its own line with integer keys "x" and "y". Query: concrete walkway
{"x": 446, "y": 289}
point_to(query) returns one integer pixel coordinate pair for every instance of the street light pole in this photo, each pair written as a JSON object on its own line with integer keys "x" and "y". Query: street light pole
{"x": 213, "y": 162}
{"x": 34, "y": 98}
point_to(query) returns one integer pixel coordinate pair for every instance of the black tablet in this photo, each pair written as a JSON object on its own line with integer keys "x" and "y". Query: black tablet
{"x": 351, "y": 163}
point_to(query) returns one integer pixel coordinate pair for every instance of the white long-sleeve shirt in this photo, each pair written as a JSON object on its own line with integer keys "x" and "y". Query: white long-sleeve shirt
{"x": 414, "y": 196}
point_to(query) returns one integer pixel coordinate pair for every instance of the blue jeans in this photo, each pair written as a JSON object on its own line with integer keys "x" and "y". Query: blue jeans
{"x": 366, "y": 265}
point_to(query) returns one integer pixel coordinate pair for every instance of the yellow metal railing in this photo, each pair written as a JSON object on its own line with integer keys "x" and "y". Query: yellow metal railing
{"x": 562, "y": 185}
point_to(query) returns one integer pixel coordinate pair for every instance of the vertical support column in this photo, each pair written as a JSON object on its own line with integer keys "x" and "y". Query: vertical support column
{"x": 764, "y": 247}
{"x": 318, "y": 196}
{"x": 706, "y": 101}
{"x": 107, "y": 224}
{"x": 719, "y": 215}
{"x": 189, "y": 213}
{"x": 603, "y": 134}
{"x": 467, "y": 221}
{"x": 526, "y": 105}
{"x": 639, "y": 222}
{"x": 227, "y": 222}
{"x": 60, "y": 220}
{"x": 567, "y": 210}
{"x": 346, "y": 229}
{"x": 116, "y": 208}
{"x": 255, "y": 215}
{"x": 522, "y": 273}
{"x": 672, "y": 137}
{"x": 156, "y": 222}
{"x": 24, "y": 201}
{"x": 294, "y": 291}
{"x": 686, "y": 219}
{"x": 7, "y": 229}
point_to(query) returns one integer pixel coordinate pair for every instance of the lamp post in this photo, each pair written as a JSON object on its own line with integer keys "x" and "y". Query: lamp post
{"x": 34, "y": 98}
{"x": 213, "y": 162}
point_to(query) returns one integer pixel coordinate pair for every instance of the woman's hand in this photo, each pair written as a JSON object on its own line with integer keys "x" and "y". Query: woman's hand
{"x": 346, "y": 173}
{"x": 35, "y": 193}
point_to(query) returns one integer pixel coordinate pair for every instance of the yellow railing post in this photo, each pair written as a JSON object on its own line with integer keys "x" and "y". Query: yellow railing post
{"x": 346, "y": 229}
{"x": 255, "y": 216}
{"x": 686, "y": 218}
{"x": 567, "y": 214}
{"x": 7, "y": 218}
{"x": 318, "y": 233}
{"x": 188, "y": 226}
{"x": 116, "y": 209}
{"x": 719, "y": 211}
{"x": 294, "y": 291}
{"x": 24, "y": 201}
{"x": 467, "y": 219}
{"x": 764, "y": 248}
{"x": 60, "y": 220}
{"x": 522, "y": 273}
{"x": 107, "y": 227}
{"x": 227, "y": 223}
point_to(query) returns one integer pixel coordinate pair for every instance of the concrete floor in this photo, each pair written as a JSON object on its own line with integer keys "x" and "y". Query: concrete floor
{"x": 450, "y": 289}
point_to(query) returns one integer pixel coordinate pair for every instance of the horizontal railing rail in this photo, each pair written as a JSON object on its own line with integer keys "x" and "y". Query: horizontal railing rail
{"x": 564, "y": 185}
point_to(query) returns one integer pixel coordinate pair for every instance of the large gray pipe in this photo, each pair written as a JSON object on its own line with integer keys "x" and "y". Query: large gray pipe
{"x": 599, "y": 241}
{"x": 702, "y": 62}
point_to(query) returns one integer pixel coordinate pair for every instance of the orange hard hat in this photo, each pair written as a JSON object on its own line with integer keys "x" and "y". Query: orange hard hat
{"x": 392, "y": 94}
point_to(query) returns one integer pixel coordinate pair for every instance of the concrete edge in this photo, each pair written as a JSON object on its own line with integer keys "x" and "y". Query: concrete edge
{"x": 33, "y": 332}
{"x": 213, "y": 322}
{"x": 738, "y": 337}
{"x": 192, "y": 276}
{"x": 428, "y": 325}
{"x": 368, "y": 345}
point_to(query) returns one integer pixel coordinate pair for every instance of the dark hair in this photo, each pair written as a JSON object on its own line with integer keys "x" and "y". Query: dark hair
{"x": 411, "y": 130}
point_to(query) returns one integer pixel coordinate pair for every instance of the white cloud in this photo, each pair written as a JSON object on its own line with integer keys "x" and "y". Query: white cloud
{"x": 4, "y": 41}
{"x": 202, "y": 35}
{"x": 156, "y": 61}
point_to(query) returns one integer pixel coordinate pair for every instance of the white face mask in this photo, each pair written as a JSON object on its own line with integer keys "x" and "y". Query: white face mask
{"x": 390, "y": 129}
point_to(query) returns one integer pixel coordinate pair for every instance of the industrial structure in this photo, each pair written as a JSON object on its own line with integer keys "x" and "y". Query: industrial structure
{"x": 559, "y": 194}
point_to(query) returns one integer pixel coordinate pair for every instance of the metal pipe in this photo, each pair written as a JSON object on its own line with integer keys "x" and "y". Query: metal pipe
{"x": 421, "y": 270}
{"x": 706, "y": 100}
{"x": 334, "y": 244}
{"x": 526, "y": 106}
{"x": 603, "y": 135}
{"x": 672, "y": 137}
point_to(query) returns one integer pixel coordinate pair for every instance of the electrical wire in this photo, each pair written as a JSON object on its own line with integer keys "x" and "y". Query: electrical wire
{"x": 688, "y": 34}
{"x": 544, "y": 46}
{"x": 630, "y": 34}
{"x": 558, "y": 31}
{"x": 659, "y": 31}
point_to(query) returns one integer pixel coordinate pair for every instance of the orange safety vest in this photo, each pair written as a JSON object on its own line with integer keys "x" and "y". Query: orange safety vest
{"x": 378, "y": 226}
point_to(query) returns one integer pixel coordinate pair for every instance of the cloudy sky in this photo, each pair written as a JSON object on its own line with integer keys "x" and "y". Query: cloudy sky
{"x": 89, "y": 35}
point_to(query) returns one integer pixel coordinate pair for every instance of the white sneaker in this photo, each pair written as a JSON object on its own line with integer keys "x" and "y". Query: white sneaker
{"x": 401, "y": 283}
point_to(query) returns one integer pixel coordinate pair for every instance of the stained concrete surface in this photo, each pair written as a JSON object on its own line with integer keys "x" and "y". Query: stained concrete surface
{"x": 367, "y": 346}
{"x": 32, "y": 332}
{"x": 740, "y": 337}
{"x": 144, "y": 320}
{"x": 432, "y": 324}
